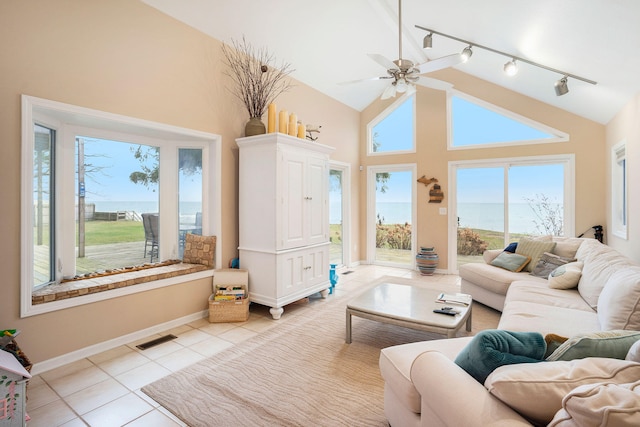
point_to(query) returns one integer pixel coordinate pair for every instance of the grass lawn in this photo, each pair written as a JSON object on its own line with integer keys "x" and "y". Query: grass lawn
{"x": 107, "y": 232}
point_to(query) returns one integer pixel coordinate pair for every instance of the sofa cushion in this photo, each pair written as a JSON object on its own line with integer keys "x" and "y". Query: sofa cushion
{"x": 567, "y": 247}
{"x": 600, "y": 404}
{"x": 600, "y": 262}
{"x": 510, "y": 261}
{"x": 619, "y": 302}
{"x": 395, "y": 366}
{"x": 534, "y": 248}
{"x": 566, "y": 276}
{"x": 612, "y": 344}
{"x": 549, "y": 262}
{"x": 550, "y": 382}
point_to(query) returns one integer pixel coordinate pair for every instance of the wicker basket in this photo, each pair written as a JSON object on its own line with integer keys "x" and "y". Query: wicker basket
{"x": 228, "y": 311}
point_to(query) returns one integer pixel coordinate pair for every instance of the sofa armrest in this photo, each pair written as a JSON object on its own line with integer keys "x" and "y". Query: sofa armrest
{"x": 491, "y": 254}
{"x": 451, "y": 397}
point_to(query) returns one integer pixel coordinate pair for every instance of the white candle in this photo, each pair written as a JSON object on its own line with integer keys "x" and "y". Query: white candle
{"x": 293, "y": 124}
{"x": 283, "y": 121}
{"x": 271, "y": 122}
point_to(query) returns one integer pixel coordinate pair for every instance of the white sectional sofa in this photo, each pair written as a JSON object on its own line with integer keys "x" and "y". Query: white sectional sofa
{"x": 424, "y": 387}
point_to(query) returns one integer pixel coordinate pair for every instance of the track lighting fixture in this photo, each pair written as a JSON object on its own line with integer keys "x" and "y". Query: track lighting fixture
{"x": 427, "y": 42}
{"x": 510, "y": 68}
{"x": 561, "y": 86}
{"x": 466, "y": 53}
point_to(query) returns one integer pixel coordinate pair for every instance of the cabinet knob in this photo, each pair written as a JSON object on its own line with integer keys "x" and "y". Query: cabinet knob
{"x": 308, "y": 267}
{"x": 308, "y": 198}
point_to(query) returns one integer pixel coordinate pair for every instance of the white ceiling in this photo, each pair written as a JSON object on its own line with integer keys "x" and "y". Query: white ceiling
{"x": 327, "y": 42}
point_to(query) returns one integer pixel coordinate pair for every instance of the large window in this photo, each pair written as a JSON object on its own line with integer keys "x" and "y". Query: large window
{"x": 393, "y": 131}
{"x": 475, "y": 123}
{"x": 88, "y": 180}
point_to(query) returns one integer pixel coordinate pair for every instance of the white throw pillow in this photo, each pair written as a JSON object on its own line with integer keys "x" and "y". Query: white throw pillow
{"x": 567, "y": 247}
{"x": 619, "y": 301}
{"x": 601, "y": 404}
{"x": 566, "y": 276}
{"x": 634, "y": 353}
{"x": 536, "y": 390}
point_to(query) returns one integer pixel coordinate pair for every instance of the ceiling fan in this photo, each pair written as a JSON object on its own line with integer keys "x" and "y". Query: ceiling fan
{"x": 405, "y": 74}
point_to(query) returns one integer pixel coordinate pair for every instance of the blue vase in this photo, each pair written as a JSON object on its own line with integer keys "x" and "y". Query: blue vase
{"x": 427, "y": 261}
{"x": 333, "y": 277}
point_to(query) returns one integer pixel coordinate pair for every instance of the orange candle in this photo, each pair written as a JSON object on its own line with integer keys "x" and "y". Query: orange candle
{"x": 271, "y": 118}
{"x": 293, "y": 124}
{"x": 283, "y": 121}
{"x": 301, "y": 130}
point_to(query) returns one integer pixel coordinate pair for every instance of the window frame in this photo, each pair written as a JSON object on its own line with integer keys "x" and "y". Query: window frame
{"x": 67, "y": 120}
{"x": 559, "y": 135}
{"x": 619, "y": 191}
{"x": 408, "y": 97}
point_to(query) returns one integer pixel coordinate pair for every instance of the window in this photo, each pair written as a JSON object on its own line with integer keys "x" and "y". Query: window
{"x": 393, "y": 131}
{"x": 87, "y": 178}
{"x": 619, "y": 190}
{"x": 496, "y": 202}
{"x": 475, "y": 123}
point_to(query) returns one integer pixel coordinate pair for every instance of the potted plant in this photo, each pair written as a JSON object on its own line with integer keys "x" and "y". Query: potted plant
{"x": 257, "y": 81}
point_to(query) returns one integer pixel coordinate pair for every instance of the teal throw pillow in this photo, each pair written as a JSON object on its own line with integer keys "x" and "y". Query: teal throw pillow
{"x": 510, "y": 261}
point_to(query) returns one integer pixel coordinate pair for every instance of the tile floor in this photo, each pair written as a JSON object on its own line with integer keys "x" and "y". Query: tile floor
{"x": 104, "y": 389}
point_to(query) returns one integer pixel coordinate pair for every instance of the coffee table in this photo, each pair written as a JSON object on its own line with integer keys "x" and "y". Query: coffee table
{"x": 408, "y": 306}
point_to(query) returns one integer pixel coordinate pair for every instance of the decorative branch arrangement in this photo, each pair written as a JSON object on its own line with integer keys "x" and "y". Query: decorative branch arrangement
{"x": 257, "y": 81}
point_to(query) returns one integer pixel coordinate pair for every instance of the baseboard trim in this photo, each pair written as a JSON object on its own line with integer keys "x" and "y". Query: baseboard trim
{"x": 92, "y": 350}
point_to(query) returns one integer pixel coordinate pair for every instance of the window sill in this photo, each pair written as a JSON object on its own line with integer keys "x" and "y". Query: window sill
{"x": 94, "y": 285}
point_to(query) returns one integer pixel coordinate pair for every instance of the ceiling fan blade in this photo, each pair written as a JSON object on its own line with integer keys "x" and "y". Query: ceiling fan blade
{"x": 434, "y": 83}
{"x": 365, "y": 80}
{"x": 386, "y": 63}
{"x": 389, "y": 92}
{"x": 440, "y": 63}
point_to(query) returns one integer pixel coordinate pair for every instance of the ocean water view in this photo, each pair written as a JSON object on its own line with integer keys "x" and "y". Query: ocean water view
{"x": 486, "y": 216}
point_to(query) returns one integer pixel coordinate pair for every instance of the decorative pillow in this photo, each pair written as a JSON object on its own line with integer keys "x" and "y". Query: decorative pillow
{"x": 534, "y": 248}
{"x": 612, "y": 344}
{"x": 601, "y": 404}
{"x": 492, "y": 348}
{"x": 634, "y": 352}
{"x": 537, "y": 389}
{"x": 566, "y": 276}
{"x": 199, "y": 250}
{"x": 511, "y": 262}
{"x": 619, "y": 301}
{"x": 511, "y": 247}
{"x": 549, "y": 262}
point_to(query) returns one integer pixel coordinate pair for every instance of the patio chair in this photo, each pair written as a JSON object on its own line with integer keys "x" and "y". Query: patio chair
{"x": 150, "y": 224}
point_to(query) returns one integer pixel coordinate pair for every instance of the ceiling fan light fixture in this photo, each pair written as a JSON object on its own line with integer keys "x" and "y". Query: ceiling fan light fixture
{"x": 511, "y": 68}
{"x": 466, "y": 53}
{"x": 427, "y": 42}
{"x": 401, "y": 85}
{"x": 561, "y": 86}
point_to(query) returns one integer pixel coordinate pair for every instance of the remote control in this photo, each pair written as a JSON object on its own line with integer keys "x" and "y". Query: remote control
{"x": 446, "y": 310}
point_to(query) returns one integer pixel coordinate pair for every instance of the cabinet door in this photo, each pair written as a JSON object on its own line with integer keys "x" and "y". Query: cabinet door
{"x": 293, "y": 187}
{"x": 317, "y": 216}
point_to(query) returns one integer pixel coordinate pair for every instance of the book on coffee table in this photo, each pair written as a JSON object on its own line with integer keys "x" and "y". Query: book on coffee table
{"x": 460, "y": 299}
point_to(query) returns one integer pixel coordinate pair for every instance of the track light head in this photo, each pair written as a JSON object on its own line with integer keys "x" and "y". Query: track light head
{"x": 466, "y": 53}
{"x": 511, "y": 68}
{"x": 427, "y": 42}
{"x": 561, "y": 86}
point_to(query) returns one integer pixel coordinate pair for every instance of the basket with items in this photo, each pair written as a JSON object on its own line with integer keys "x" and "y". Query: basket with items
{"x": 230, "y": 299}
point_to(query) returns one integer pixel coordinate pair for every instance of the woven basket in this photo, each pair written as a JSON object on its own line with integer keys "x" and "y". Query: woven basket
{"x": 228, "y": 311}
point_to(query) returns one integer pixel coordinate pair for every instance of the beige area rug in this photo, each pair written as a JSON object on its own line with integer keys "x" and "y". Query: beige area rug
{"x": 300, "y": 373}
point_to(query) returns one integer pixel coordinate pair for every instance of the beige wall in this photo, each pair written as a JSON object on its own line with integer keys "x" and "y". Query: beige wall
{"x": 124, "y": 57}
{"x": 625, "y": 126}
{"x": 432, "y": 157}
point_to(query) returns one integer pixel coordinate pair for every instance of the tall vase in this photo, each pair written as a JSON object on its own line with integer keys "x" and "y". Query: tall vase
{"x": 254, "y": 127}
{"x": 427, "y": 261}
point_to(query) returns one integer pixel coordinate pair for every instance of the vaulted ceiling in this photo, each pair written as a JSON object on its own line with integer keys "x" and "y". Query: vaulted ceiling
{"x": 327, "y": 42}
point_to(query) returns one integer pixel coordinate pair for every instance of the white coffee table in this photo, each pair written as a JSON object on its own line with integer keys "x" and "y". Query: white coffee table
{"x": 407, "y": 306}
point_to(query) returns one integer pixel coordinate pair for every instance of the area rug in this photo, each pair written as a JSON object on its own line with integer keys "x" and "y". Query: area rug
{"x": 300, "y": 373}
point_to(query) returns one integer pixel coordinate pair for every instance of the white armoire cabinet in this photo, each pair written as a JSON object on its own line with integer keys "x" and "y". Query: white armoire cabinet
{"x": 284, "y": 218}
